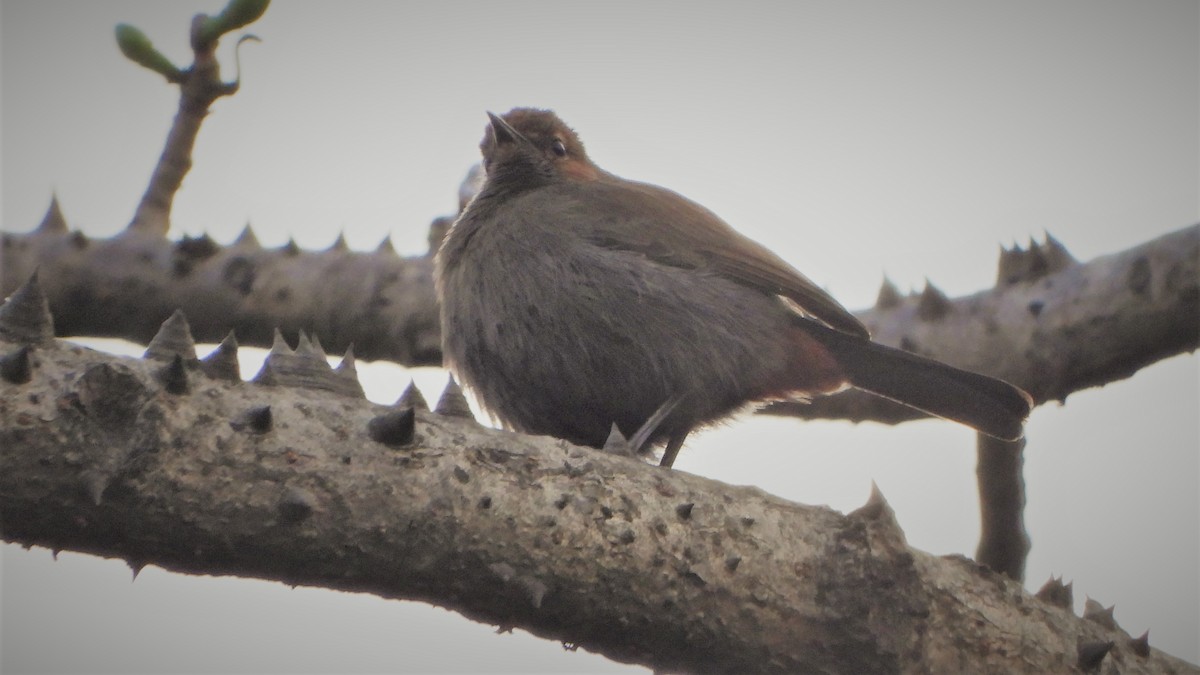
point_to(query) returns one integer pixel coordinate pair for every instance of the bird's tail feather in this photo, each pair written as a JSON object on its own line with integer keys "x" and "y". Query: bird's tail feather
{"x": 983, "y": 403}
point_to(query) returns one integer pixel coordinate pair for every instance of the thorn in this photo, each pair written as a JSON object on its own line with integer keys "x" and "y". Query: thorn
{"x": 222, "y": 362}
{"x": 174, "y": 376}
{"x": 135, "y": 566}
{"x": 394, "y": 428}
{"x": 1017, "y": 265}
{"x": 889, "y": 296}
{"x": 616, "y": 442}
{"x": 1094, "y": 611}
{"x": 347, "y": 367}
{"x": 933, "y": 304}
{"x": 260, "y": 419}
{"x": 257, "y": 420}
{"x": 879, "y": 515}
{"x": 1141, "y": 645}
{"x": 1091, "y": 654}
{"x": 310, "y": 348}
{"x": 295, "y": 505}
{"x": 411, "y": 398}
{"x": 1055, "y": 592}
{"x": 452, "y": 402}
{"x": 25, "y": 317}
{"x": 305, "y": 367}
{"x": 304, "y": 346}
{"x": 340, "y": 244}
{"x": 15, "y": 367}
{"x": 53, "y": 222}
{"x": 54, "y": 553}
{"x": 684, "y": 511}
{"x": 386, "y": 247}
{"x": 280, "y": 345}
{"x": 290, "y": 249}
{"x": 318, "y": 348}
{"x": 1056, "y": 254}
{"x": 1009, "y": 266}
{"x": 876, "y": 504}
{"x": 247, "y": 239}
{"x": 174, "y": 338}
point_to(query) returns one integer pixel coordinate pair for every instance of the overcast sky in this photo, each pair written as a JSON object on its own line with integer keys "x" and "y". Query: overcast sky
{"x": 856, "y": 139}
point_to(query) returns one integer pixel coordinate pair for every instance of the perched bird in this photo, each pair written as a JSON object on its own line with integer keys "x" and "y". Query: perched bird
{"x": 573, "y": 299}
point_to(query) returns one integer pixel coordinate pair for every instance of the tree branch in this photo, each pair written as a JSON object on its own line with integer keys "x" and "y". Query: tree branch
{"x": 165, "y": 460}
{"x": 122, "y": 287}
{"x": 1003, "y": 541}
{"x": 199, "y": 86}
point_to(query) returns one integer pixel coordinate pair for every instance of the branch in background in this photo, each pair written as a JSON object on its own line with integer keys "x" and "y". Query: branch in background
{"x": 170, "y": 460}
{"x": 123, "y": 286}
{"x": 199, "y": 86}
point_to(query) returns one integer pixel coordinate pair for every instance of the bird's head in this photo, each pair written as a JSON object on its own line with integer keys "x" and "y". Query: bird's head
{"x": 534, "y": 146}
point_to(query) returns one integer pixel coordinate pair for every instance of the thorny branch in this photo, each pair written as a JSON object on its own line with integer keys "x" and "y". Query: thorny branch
{"x": 173, "y": 460}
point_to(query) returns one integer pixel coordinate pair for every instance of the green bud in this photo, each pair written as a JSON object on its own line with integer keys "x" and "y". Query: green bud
{"x": 137, "y": 48}
{"x": 236, "y": 14}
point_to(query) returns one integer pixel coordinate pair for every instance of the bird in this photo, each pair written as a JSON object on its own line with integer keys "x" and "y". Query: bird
{"x": 573, "y": 300}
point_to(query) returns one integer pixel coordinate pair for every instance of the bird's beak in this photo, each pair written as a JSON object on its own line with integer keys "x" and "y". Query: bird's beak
{"x": 502, "y": 132}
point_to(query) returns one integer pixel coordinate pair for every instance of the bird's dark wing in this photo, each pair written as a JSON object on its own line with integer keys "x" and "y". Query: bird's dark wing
{"x": 677, "y": 231}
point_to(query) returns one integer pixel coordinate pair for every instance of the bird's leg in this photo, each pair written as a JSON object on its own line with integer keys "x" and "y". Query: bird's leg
{"x": 642, "y": 436}
{"x": 634, "y": 445}
{"x": 674, "y": 443}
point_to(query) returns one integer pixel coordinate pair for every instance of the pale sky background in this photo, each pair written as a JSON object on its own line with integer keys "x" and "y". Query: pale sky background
{"x": 853, "y": 138}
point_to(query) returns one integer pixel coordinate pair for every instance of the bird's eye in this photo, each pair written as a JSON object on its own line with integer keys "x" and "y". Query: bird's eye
{"x": 559, "y": 148}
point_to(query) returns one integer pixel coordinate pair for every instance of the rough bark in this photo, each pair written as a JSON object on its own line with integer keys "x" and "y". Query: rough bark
{"x": 294, "y": 477}
{"x": 123, "y": 287}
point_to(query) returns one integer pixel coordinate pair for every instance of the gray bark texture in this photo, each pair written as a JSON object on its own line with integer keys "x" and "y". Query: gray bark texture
{"x": 123, "y": 286}
{"x": 174, "y": 461}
